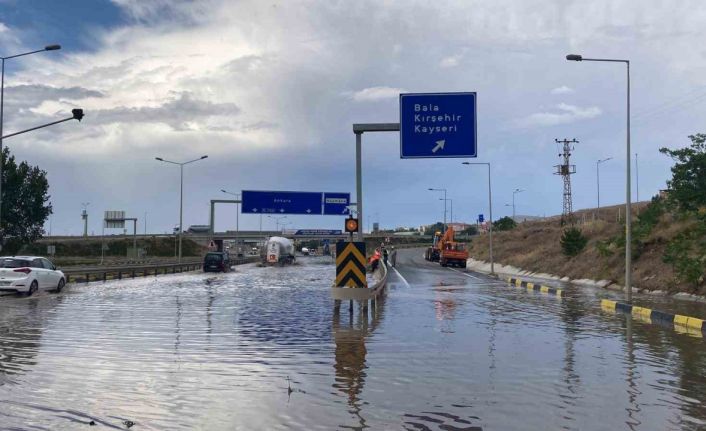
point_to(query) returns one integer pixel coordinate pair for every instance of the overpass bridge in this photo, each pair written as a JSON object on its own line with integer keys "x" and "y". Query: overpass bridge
{"x": 246, "y": 236}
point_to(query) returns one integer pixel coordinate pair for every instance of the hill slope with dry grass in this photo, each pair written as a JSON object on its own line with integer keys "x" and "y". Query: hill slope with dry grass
{"x": 535, "y": 246}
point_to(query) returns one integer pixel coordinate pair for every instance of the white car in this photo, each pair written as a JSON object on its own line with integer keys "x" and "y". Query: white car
{"x": 28, "y": 274}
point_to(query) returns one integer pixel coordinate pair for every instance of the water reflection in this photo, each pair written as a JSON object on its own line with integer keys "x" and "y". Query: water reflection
{"x": 22, "y": 321}
{"x": 350, "y": 353}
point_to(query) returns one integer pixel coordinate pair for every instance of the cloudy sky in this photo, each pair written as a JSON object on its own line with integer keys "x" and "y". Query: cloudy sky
{"x": 269, "y": 90}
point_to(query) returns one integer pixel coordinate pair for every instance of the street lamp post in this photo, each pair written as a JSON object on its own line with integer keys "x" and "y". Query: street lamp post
{"x": 181, "y": 194}
{"x": 514, "y": 192}
{"x": 490, "y": 209}
{"x": 637, "y": 182}
{"x": 277, "y": 219}
{"x": 442, "y": 190}
{"x": 2, "y": 98}
{"x": 628, "y": 204}
{"x": 451, "y": 217}
{"x": 598, "y": 181}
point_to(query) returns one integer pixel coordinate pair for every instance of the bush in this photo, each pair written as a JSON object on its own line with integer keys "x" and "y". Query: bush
{"x": 687, "y": 255}
{"x": 604, "y": 248}
{"x": 505, "y": 223}
{"x": 573, "y": 241}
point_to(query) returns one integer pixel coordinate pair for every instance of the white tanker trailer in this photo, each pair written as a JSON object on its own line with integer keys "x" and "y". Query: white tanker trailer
{"x": 277, "y": 251}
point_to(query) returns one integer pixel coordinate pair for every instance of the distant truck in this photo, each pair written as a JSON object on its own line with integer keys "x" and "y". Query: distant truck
{"x": 277, "y": 251}
{"x": 305, "y": 251}
{"x": 446, "y": 251}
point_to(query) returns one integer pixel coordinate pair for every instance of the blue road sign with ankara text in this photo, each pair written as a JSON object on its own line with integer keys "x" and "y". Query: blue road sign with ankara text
{"x": 438, "y": 125}
{"x": 337, "y": 203}
{"x": 281, "y": 202}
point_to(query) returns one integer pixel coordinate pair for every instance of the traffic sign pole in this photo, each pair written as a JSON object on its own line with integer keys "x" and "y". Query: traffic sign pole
{"x": 434, "y": 125}
{"x": 359, "y": 181}
{"x": 359, "y": 129}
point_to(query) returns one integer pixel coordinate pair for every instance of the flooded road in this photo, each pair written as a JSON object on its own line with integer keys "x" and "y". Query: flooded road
{"x": 261, "y": 348}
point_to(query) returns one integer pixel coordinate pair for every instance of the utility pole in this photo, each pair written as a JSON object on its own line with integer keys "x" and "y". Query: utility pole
{"x": 84, "y": 217}
{"x": 566, "y": 169}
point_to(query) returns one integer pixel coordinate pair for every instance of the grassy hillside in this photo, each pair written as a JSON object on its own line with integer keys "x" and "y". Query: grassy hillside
{"x": 657, "y": 233}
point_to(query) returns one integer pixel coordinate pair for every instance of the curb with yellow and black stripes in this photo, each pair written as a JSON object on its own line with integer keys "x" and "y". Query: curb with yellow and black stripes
{"x": 680, "y": 323}
{"x": 535, "y": 287}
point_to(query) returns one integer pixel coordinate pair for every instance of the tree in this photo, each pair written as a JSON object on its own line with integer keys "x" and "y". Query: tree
{"x": 470, "y": 230}
{"x": 688, "y": 183}
{"x": 573, "y": 241}
{"x": 505, "y": 223}
{"x": 436, "y": 227}
{"x": 25, "y": 203}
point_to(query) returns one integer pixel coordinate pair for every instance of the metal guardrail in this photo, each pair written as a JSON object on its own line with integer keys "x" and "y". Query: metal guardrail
{"x": 130, "y": 263}
{"x": 361, "y": 293}
{"x": 86, "y": 275}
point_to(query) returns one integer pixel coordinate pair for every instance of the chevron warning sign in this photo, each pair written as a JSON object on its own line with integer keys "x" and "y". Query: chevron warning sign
{"x": 350, "y": 264}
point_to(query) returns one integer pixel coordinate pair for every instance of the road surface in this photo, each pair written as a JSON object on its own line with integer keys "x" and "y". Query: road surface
{"x": 261, "y": 348}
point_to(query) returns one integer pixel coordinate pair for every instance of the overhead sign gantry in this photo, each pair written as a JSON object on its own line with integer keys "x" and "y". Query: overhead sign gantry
{"x": 297, "y": 203}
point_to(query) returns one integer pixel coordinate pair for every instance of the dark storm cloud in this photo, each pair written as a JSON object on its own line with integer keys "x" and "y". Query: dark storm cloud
{"x": 177, "y": 112}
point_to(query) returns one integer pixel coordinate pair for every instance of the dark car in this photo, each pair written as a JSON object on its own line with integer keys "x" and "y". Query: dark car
{"x": 216, "y": 261}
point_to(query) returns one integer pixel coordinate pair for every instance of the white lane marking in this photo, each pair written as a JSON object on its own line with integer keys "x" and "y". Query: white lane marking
{"x": 400, "y": 276}
{"x": 465, "y": 273}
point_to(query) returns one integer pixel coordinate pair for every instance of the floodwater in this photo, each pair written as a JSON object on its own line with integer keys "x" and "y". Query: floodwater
{"x": 262, "y": 349}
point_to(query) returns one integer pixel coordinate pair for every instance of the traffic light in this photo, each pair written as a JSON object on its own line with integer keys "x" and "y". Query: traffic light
{"x": 351, "y": 225}
{"x": 78, "y": 113}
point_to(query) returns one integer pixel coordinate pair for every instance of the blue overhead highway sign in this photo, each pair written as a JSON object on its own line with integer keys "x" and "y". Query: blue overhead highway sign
{"x": 337, "y": 203}
{"x": 281, "y": 202}
{"x": 438, "y": 125}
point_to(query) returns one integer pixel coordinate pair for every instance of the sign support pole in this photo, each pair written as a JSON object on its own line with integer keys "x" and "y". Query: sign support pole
{"x": 359, "y": 129}
{"x": 359, "y": 181}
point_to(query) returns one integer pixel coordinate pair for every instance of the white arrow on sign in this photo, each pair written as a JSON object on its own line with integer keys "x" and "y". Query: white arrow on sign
{"x": 439, "y": 146}
{"x": 281, "y": 210}
{"x": 254, "y": 210}
{"x": 308, "y": 211}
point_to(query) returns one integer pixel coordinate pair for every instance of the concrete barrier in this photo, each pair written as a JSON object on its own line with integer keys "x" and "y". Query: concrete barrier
{"x": 536, "y": 287}
{"x": 362, "y": 294}
{"x": 680, "y": 323}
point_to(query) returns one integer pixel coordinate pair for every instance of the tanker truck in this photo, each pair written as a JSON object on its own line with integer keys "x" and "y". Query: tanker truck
{"x": 277, "y": 251}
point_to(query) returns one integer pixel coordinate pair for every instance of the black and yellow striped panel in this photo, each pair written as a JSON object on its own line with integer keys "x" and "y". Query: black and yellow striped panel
{"x": 680, "y": 323}
{"x": 535, "y": 287}
{"x": 350, "y": 264}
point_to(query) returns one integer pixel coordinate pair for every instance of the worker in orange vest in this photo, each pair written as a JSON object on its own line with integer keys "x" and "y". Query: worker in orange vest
{"x": 375, "y": 260}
